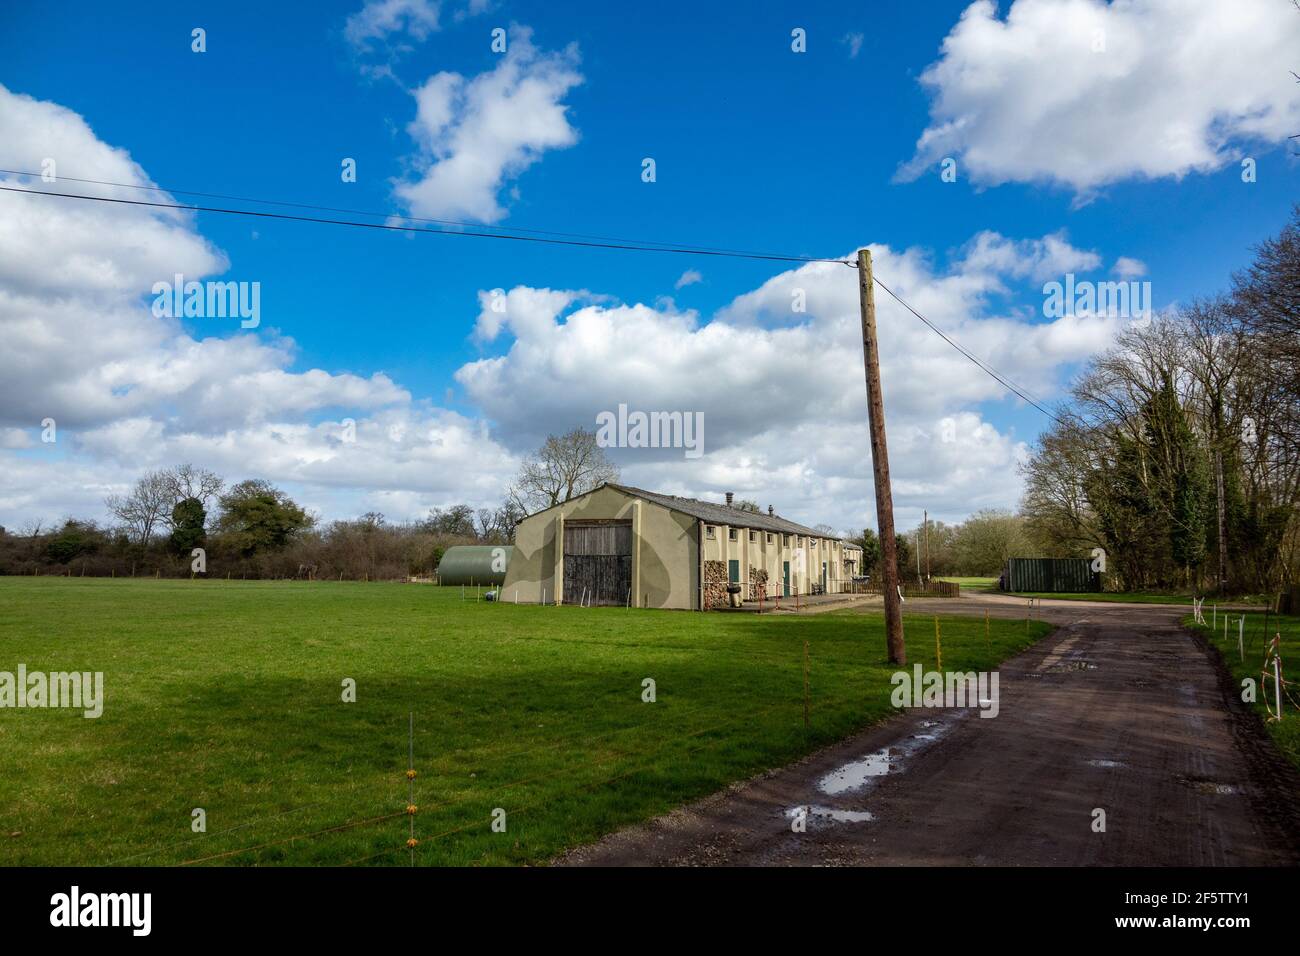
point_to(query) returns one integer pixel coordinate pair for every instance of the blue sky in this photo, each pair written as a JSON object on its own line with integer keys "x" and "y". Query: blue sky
{"x": 756, "y": 146}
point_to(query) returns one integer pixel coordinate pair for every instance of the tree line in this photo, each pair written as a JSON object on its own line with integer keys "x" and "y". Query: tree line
{"x": 976, "y": 547}
{"x": 254, "y": 529}
{"x": 1176, "y": 453}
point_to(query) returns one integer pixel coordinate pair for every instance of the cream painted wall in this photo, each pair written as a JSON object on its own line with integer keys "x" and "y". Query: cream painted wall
{"x": 665, "y": 571}
{"x": 770, "y": 549}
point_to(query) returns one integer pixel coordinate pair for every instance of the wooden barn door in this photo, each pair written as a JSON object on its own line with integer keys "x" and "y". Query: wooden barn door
{"x": 597, "y": 562}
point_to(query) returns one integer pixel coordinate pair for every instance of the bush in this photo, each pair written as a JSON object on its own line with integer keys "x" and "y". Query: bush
{"x": 73, "y": 540}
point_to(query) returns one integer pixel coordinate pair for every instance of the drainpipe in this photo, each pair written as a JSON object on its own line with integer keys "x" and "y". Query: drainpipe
{"x": 699, "y": 557}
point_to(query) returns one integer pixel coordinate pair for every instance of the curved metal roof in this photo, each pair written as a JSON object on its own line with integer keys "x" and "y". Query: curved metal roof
{"x": 472, "y": 564}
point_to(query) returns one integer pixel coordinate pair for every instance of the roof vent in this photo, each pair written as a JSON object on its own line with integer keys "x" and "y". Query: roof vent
{"x": 730, "y": 496}
{"x": 771, "y": 510}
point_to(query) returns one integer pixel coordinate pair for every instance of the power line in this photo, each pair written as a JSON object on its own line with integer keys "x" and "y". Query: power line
{"x": 989, "y": 370}
{"x": 388, "y": 216}
{"x": 627, "y": 245}
{"x": 518, "y": 235}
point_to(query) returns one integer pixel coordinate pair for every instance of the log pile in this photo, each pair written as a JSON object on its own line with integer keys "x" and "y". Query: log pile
{"x": 715, "y": 584}
{"x": 757, "y": 582}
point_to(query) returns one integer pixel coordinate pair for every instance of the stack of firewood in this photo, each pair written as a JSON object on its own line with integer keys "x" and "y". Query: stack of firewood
{"x": 715, "y": 584}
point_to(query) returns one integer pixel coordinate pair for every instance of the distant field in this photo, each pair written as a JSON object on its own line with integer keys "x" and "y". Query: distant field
{"x": 1250, "y": 664}
{"x": 974, "y": 584}
{"x": 226, "y": 696}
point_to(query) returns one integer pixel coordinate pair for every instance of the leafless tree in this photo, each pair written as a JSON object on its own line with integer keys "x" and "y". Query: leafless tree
{"x": 454, "y": 522}
{"x": 1055, "y": 503}
{"x": 496, "y": 525}
{"x": 984, "y": 541}
{"x": 564, "y": 467}
{"x": 146, "y": 507}
{"x": 1266, "y": 300}
{"x": 187, "y": 481}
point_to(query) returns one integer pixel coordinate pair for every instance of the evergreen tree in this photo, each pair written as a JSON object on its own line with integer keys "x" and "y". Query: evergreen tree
{"x": 188, "y": 518}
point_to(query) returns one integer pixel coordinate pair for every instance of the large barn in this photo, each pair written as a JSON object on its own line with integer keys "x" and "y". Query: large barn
{"x": 617, "y": 545}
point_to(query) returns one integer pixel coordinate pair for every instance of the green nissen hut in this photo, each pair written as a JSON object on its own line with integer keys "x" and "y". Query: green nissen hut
{"x": 475, "y": 564}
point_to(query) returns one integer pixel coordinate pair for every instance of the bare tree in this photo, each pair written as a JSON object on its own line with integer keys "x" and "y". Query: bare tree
{"x": 455, "y": 522}
{"x": 564, "y": 467}
{"x": 1266, "y": 299}
{"x": 1055, "y": 504}
{"x": 496, "y": 525}
{"x": 985, "y": 541}
{"x": 147, "y": 506}
{"x": 187, "y": 481}
{"x": 485, "y": 524}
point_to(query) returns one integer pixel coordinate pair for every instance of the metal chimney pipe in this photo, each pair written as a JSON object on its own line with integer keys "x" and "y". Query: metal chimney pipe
{"x": 730, "y": 496}
{"x": 771, "y": 510}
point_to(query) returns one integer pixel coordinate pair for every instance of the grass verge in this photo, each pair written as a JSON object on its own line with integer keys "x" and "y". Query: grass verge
{"x": 1242, "y": 649}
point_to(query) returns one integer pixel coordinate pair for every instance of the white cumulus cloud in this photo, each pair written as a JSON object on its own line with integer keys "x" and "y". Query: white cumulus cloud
{"x": 128, "y": 390}
{"x": 781, "y": 391}
{"x": 476, "y": 133}
{"x": 1085, "y": 93}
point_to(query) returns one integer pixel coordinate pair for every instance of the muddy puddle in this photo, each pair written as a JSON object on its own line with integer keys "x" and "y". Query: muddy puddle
{"x": 860, "y": 774}
{"x": 831, "y": 814}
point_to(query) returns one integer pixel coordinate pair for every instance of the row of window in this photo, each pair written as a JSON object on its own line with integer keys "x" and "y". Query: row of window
{"x": 710, "y": 532}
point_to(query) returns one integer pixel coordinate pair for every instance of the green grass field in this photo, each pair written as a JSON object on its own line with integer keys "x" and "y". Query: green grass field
{"x": 227, "y": 696}
{"x": 1286, "y": 732}
{"x": 974, "y": 584}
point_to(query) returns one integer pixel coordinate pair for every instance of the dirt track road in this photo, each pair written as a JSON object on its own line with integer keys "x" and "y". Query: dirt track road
{"x": 1119, "y": 709}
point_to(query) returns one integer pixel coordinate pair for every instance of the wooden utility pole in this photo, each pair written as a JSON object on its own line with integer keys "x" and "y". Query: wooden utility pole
{"x": 880, "y": 466}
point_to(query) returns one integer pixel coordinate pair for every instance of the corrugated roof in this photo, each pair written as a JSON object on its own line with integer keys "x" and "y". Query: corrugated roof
{"x": 715, "y": 513}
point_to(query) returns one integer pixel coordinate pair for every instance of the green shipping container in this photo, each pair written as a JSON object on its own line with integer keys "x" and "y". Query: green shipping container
{"x": 1052, "y": 575}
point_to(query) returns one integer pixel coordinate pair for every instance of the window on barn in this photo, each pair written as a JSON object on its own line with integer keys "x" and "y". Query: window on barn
{"x": 731, "y": 534}
{"x": 785, "y": 541}
{"x": 708, "y": 531}
{"x": 753, "y": 536}
{"x": 769, "y": 539}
